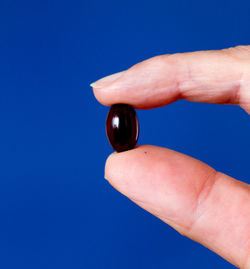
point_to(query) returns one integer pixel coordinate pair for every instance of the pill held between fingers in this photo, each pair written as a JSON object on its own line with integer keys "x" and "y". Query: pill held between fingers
{"x": 122, "y": 127}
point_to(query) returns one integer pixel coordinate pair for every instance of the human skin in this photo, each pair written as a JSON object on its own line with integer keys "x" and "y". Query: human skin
{"x": 199, "y": 202}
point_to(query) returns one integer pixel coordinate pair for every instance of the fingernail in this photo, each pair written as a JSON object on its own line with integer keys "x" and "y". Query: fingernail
{"x": 106, "y": 80}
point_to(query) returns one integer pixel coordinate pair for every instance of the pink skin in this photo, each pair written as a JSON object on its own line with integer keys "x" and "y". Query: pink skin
{"x": 202, "y": 204}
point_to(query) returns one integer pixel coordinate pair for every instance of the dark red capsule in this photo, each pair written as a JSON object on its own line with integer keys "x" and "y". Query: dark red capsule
{"x": 122, "y": 127}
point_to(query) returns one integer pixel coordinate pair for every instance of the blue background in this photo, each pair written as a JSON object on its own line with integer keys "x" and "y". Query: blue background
{"x": 56, "y": 209}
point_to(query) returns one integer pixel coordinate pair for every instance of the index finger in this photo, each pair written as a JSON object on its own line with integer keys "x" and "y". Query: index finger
{"x": 221, "y": 77}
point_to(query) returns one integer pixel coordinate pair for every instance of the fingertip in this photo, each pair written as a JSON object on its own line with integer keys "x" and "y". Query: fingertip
{"x": 142, "y": 85}
{"x": 117, "y": 163}
{"x": 106, "y": 81}
{"x": 100, "y": 97}
{"x": 108, "y": 165}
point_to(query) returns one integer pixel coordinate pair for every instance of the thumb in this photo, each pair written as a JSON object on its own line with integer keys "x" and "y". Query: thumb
{"x": 205, "y": 205}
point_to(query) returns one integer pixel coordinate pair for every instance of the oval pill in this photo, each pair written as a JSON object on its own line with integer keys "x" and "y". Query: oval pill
{"x": 122, "y": 127}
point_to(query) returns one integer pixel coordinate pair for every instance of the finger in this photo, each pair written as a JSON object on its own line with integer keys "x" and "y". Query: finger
{"x": 221, "y": 77}
{"x": 207, "y": 206}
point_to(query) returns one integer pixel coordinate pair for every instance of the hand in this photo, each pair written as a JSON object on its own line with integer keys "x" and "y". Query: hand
{"x": 199, "y": 202}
